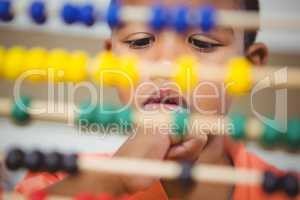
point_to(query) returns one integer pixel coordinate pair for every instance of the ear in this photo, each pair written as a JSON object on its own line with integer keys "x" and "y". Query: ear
{"x": 258, "y": 54}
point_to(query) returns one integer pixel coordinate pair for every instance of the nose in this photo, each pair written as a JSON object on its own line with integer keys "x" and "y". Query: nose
{"x": 169, "y": 46}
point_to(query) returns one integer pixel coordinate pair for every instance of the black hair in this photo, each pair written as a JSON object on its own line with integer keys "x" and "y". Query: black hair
{"x": 250, "y": 36}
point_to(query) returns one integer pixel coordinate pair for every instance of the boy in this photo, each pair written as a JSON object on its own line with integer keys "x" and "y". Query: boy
{"x": 217, "y": 47}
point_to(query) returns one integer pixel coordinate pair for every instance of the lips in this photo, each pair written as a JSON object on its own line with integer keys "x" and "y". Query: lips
{"x": 167, "y": 98}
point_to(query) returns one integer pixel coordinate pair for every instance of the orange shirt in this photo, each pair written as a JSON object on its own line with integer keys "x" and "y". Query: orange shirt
{"x": 237, "y": 151}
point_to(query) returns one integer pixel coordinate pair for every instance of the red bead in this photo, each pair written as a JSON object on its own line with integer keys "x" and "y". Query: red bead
{"x": 84, "y": 196}
{"x": 38, "y": 195}
{"x": 105, "y": 196}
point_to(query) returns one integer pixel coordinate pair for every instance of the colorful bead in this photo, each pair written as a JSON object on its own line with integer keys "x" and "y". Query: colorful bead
{"x": 207, "y": 17}
{"x": 180, "y": 21}
{"x": 159, "y": 17}
{"x": 186, "y": 76}
{"x": 185, "y": 177}
{"x": 76, "y": 69}
{"x": 70, "y": 13}
{"x": 270, "y": 182}
{"x": 87, "y": 15}
{"x": 270, "y": 136}
{"x": 2, "y": 55}
{"x": 106, "y": 69}
{"x": 6, "y": 10}
{"x": 239, "y": 122}
{"x": 86, "y": 114}
{"x": 128, "y": 74}
{"x": 53, "y": 162}
{"x": 290, "y": 184}
{"x": 13, "y": 64}
{"x": 34, "y": 161}
{"x": 239, "y": 78}
{"x": 57, "y": 62}
{"x": 14, "y": 159}
{"x": 292, "y": 136}
{"x": 180, "y": 122}
{"x": 37, "y": 12}
{"x": 105, "y": 115}
{"x": 20, "y": 109}
{"x": 36, "y": 60}
{"x": 113, "y": 14}
{"x": 125, "y": 117}
{"x": 70, "y": 165}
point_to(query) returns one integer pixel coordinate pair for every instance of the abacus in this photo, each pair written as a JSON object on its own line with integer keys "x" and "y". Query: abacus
{"x": 78, "y": 66}
{"x": 53, "y": 162}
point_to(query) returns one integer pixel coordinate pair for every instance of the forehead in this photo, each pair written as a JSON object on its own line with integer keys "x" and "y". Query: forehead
{"x": 224, "y": 4}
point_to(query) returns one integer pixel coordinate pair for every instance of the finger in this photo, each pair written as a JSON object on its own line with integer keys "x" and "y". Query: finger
{"x": 213, "y": 151}
{"x": 188, "y": 150}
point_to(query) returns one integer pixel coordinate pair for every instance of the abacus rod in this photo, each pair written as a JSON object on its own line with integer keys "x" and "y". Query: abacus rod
{"x": 147, "y": 168}
{"x": 5, "y": 107}
{"x": 171, "y": 170}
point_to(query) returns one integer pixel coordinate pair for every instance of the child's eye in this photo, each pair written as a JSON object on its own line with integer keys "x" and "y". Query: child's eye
{"x": 140, "y": 41}
{"x": 202, "y": 43}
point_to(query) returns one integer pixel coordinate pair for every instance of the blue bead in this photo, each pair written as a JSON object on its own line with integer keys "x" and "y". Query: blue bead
{"x": 5, "y": 10}
{"x": 180, "y": 19}
{"x": 113, "y": 15}
{"x": 37, "y": 12}
{"x": 70, "y": 13}
{"x": 207, "y": 18}
{"x": 159, "y": 17}
{"x": 87, "y": 15}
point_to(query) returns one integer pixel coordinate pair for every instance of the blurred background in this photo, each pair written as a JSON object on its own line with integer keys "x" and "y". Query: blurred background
{"x": 284, "y": 48}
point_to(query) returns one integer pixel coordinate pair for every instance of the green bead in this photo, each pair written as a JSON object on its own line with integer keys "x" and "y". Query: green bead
{"x": 293, "y": 134}
{"x": 20, "y": 109}
{"x": 239, "y": 123}
{"x": 86, "y": 114}
{"x": 270, "y": 136}
{"x": 125, "y": 117}
{"x": 180, "y": 126}
{"x": 105, "y": 115}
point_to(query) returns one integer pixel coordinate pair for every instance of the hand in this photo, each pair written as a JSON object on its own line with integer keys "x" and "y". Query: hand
{"x": 149, "y": 142}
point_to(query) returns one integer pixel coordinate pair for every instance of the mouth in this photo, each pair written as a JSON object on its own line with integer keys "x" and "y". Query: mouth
{"x": 165, "y": 98}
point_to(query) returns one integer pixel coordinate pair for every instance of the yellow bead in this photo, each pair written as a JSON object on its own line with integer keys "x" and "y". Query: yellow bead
{"x": 186, "y": 77}
{"x": 239, "y": 77}
{"x": 13, "y": 64}
{"x": 35, "y": 62}
{"x": 2, "y": 53}
{"x": 129, "y": 76}
{"x": 106, "y": 68}
{"x": 76, "y": 69}
{"x": 57, "y": 62}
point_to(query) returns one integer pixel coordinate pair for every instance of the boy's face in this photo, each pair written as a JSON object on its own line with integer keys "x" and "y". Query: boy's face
{"x": 166, "y": 46}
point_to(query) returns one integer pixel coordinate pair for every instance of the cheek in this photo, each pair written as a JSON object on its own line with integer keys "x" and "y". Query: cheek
{"x": 210, "y": 98}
